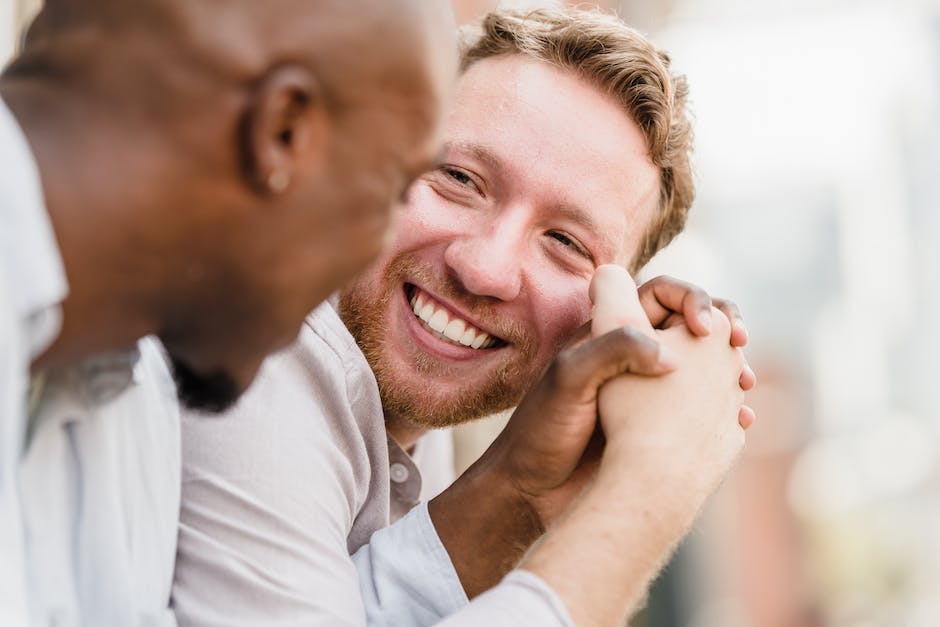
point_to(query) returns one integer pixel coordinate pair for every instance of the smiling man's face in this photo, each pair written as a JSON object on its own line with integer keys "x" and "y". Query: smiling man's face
{"x": 544, "y": 177}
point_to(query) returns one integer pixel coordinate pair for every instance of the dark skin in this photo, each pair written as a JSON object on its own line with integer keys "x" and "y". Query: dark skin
{"x": 212, "y": 176}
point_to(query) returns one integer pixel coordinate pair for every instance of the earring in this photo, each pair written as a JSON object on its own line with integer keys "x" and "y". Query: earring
{"x": 278, "y": 181}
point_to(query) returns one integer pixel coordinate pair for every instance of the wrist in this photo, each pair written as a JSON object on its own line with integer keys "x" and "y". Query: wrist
{"x": 673, "y": 491}
{"x": 485, "y": 524}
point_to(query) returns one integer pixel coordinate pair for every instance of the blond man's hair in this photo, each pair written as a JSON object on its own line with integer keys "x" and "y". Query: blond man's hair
{"x": 620, "y": 61}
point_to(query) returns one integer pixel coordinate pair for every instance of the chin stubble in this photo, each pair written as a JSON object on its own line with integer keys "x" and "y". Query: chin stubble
{"x": 363, "y": 311}
{"x": 211, "y": 393}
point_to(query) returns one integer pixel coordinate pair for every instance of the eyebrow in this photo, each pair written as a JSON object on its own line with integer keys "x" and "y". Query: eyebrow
{"x": 575, "y": 213}
{"x": 477, "y": 151}
{"x": 582, "y": 217}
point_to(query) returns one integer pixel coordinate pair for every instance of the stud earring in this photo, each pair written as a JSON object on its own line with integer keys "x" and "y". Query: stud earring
{"x": 278, "y": 181}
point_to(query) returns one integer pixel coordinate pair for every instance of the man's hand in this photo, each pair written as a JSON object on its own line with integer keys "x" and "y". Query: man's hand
{"x": 669, "y": 302}
{"x": 493, "y": 513}
{"x": 552, "y": 445}
{"x": 670, "y": 440}
{"x": 698, "y": 397}
{"x": 665, "y": 299}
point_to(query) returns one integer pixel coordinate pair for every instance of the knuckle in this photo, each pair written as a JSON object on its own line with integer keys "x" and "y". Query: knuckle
{"x": 725, "y": 303}
{"x": 700, "y": 296}
{"x": 561, "y": 366}
{"x": 560, "y": 373}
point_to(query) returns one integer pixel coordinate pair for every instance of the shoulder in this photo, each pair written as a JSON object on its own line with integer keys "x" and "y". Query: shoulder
{"x": 297, "y": 417}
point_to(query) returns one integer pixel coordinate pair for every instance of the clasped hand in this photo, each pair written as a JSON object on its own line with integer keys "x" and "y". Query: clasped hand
{"x": 657, "y": 389}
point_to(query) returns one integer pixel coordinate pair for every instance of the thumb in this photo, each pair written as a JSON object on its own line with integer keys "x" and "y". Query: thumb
{"x": 616, "y": 302}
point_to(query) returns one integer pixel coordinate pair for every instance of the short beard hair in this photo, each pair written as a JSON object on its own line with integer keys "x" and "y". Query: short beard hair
{"x": 362, "y": 311}
{"x": 212, "y": 393}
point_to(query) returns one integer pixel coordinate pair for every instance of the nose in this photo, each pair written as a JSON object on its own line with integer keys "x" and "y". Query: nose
{"x": 489, "y": 260}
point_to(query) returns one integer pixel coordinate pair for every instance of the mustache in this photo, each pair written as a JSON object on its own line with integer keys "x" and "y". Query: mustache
{"x": 482, "y": 309}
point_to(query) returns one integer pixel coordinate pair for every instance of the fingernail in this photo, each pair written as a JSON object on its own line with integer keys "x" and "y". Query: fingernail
{"x": 705, "y": 317}
{"x": 667, "y": 358}
{"x": 741, "y": 328}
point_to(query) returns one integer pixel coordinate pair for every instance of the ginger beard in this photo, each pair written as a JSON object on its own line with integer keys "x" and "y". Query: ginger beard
{"x": 423, "y": 394}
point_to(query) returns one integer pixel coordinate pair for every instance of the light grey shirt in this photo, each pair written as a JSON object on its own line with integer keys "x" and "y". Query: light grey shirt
{"x": 32, "y": 284}
{"x": 287, "y": 502}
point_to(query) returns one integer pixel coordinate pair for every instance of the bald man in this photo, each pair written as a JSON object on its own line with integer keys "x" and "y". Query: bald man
{"x": 201, "y": 173}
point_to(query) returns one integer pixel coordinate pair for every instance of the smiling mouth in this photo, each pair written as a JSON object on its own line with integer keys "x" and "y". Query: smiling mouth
{"x": 446, "y": 325}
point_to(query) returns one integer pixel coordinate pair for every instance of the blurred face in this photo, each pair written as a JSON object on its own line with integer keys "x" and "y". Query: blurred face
{"x": 330, "y": 222}
{"x": 543, "y": 179}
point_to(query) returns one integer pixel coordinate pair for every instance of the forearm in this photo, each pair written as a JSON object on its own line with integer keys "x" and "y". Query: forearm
{"x": 486, "y": 527}
{"x": 601, "y": 557}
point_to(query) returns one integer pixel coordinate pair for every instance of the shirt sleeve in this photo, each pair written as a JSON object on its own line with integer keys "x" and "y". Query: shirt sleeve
{"x": 406, "y": 576}
{"x": 407, "y": 580}
{"x": 522, "y": 598}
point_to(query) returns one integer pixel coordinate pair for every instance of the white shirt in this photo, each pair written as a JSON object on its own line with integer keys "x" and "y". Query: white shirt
{"x": 100, "y": 492}
{"x": 32, "y": 283}
{"x": 299, "y": 475}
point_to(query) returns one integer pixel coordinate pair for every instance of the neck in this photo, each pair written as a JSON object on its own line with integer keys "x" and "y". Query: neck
{"x": 405, "y": 433}
{"x": 95, "y": 227}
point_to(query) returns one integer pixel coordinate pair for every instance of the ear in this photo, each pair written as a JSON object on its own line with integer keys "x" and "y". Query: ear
{"x": 285, "y": 128}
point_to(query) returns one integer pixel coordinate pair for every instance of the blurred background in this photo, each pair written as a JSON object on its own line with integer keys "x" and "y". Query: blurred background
{"x": 818, "y": 160}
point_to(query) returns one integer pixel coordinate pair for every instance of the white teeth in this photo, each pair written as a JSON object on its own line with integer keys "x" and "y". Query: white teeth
{"x": 467, "y": 338}
{"x": 453, "y": 329}
{"x": 438, "y": 321}
{"x": 426, "y": 312}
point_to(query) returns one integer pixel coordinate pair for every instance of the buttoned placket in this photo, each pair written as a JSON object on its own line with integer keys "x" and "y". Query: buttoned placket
{"x": 405, "y": 481}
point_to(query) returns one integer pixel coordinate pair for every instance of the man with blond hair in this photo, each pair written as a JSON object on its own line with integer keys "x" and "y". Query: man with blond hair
{"x": 566, "y": 157}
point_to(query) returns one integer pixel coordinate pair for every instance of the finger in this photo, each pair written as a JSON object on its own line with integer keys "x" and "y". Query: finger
{"x": 616, "y": 303}
{"x": 748, "y": 379}
{"x": 739, "y": 335}
{"x": 583, "y": 369}
{"x": 674, "y": 320}
{"x": 666, "y": 295}
{"x": 746, "y": 417}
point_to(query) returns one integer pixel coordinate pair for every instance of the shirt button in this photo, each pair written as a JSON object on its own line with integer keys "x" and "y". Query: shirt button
{"x": 398, "y": 472}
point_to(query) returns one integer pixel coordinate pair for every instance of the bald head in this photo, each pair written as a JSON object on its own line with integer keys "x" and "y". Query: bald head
{"x": 241, "y": 155}
{"x": 202, "y": 46}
